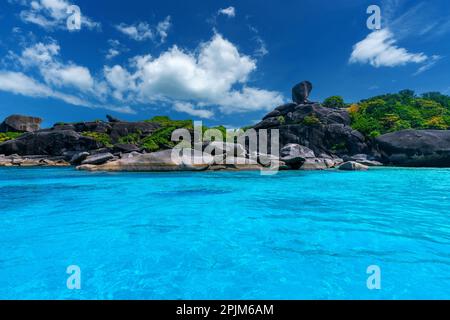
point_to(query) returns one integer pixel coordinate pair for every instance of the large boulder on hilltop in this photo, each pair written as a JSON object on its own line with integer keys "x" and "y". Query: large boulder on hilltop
{"x": 321, "y": 129}
{"x": 301, "y": 92}
{"x": 18, "y": 123}
{"x": 48, "y": 142}
{"x": 112, "y": 119}
{"x": 415, "y": 148}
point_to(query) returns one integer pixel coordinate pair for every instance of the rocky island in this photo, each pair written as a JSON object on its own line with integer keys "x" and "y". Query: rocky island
{"x": 313, "y": 136}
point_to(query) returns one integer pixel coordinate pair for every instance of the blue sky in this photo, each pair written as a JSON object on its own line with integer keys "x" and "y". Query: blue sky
{"x": 223, "y": 62}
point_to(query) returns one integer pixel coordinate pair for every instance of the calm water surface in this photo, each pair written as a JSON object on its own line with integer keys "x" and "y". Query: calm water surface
{"x": 297, "y": 235}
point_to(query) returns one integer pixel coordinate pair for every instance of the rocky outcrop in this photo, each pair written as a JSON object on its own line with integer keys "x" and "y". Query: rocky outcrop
{"x": 34, "y": 161}
{"x": 415, "y": 148}
{"x": 18, "y": 123}
{"x": 321, "y": 129}
{"x": 115, "y": 130}
{"x": 173, "y": 160}
{"x": 49, "y": 143}
{"x": 162, "y": 161}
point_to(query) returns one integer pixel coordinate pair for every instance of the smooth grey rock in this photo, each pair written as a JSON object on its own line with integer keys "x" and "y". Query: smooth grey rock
{"x": 295, "y": 155}
{"x": 353, "y": 166}
{"x": 79, "y": 157}
{"x": 98, "y": 159}
{"x": 370, "y": 163}
{"x": 19, "y": 123}
{"x": 316, "y": 164}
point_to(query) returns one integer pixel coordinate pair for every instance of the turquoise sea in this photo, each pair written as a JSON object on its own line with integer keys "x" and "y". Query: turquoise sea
{"x": 227, "y": 235}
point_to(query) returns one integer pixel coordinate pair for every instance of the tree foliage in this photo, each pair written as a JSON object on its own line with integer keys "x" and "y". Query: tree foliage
{"x": 404, "y": 110}
{"x": 334, "y": 102}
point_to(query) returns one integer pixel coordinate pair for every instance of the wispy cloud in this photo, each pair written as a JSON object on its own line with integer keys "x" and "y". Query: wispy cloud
{"x": 229, "y": 12}
{"x": 261, "y": 49}
{"x": 51, "y": 14}
{"x": 189, "y": 108}
{"x": 142, "y": 31}
{"x": 431, "y": 62}
{"x": 21, "y": 84}
{"x": 115, "y": 49}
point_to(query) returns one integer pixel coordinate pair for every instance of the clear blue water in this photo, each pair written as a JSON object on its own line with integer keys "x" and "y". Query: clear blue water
{"x": 297, "y": 235}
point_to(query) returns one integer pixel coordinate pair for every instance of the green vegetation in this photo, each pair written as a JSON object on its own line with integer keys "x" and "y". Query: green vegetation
{"x": 132, "y": 138}
{"x": 6, "y": 136}
{"x": 103, "y": 138}
{"x": 162, "y": 138}
{"x": 404, "y": 110}
{"x": 334, "y": 102}
{"x": 164, "y": 122}
{"x": 282, "y": 120}
{"x": 311, "y": 121}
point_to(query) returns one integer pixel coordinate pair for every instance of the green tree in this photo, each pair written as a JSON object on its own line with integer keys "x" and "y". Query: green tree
{"x": 334, "y": 102}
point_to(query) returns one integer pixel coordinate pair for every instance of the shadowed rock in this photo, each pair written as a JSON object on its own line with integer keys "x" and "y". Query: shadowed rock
{"x": 416, "y": 148}
{"x": 52, "y": 143}
{"x": 112, "y": 119}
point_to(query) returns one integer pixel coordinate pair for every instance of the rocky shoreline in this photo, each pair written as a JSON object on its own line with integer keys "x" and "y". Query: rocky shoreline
{"x": 312, "y": 137}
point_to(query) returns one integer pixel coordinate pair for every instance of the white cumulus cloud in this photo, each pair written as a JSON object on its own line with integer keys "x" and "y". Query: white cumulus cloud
{"x": 213, "y": 77}
{"x": 379, "y": 49}
{"x": 215, "y": 74}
